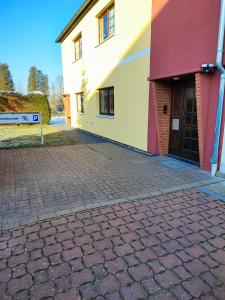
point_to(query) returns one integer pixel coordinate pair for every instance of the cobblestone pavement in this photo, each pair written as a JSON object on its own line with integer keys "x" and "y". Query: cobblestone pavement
{"x": 167, "y": 247}
{"x": 44, "y": 182}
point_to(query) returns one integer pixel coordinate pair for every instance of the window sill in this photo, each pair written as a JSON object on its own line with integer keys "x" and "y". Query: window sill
{"x": 80, "y": 113}
{"x": 108, "y": 38}
{"x": 105, "y": 116}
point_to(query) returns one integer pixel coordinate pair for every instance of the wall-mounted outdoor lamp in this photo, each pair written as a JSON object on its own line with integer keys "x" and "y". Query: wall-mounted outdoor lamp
{"x": 208, "y": 68}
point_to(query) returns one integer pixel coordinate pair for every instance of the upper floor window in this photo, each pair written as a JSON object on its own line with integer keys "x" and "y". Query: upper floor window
{"x": 107, "y": 23}
{"x": 80, "y": 102}
{"x": 106, "y": 101}
{"x": 78, "y": 47}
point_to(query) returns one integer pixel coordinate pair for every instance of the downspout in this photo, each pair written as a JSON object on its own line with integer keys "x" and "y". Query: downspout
{"x": 219, "y": 64}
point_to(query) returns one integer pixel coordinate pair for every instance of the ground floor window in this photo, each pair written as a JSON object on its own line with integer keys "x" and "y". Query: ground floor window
{"x": 80, "y": 102}
{"x": 106, "y": 101}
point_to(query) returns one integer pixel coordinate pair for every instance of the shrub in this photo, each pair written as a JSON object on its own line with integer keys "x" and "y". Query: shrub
{"x": 39, "y": 103}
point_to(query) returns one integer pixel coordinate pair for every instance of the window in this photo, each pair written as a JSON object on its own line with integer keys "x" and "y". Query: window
{"x": 107, "y": 24}
{"x": 80, "y": 102}
{"x": 78, "y": 47}
{"x": 106, "y": 101}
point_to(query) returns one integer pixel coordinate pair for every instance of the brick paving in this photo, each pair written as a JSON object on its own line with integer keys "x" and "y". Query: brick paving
{"x": 166, "y": 247}
{"x": 36, "y": 184}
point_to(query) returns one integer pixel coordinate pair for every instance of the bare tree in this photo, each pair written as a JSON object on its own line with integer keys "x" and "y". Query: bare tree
{"x": 19, "y": 87}
{"x": 56, "y": 95}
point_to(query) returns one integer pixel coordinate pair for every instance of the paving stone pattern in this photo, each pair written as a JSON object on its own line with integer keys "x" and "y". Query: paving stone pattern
{"x": 44, "y": 182}
{"x": 168, "y": 247}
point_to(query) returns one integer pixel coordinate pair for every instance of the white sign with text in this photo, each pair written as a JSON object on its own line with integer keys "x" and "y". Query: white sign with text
{"x": 176, "y": 124}
{"x": 20, "y": 118}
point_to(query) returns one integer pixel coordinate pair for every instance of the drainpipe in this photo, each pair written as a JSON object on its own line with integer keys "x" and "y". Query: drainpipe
{"x": 219, "y": 64}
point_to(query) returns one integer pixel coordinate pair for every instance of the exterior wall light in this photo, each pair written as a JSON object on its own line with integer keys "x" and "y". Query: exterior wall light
{"x": 208, "y": 68}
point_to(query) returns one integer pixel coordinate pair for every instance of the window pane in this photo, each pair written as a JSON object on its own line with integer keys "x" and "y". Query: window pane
{"x": 194, "y": 133}
{"x": 190, "y": 92}
{"x": 187, "y": 132}
{"x": 103, "y": 102}
{"x": 105, "y": 20}
{"x": 189, "y": 106}
{"x": 194, "y": 146}
{"x": 188, "y": 118}
{"x": 111, "y": 101}
{"x": 78, "y": 48}
{"x": 80, "y": 102}
{"x": 111, "y": 21}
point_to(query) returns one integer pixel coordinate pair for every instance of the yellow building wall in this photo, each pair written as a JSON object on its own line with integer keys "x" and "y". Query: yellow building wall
{"x": 121, "y": 61}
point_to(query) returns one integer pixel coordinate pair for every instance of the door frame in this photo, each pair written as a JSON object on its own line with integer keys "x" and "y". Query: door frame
{"x": 182, "y": 119}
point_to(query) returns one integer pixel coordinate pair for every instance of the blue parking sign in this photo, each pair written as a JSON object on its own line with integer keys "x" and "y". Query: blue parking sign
{"x": 35, "y": 118}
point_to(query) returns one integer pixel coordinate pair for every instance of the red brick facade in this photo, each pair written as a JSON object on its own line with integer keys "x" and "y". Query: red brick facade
{"x": 161, "y": 92}
{"x": 200, "y": 117}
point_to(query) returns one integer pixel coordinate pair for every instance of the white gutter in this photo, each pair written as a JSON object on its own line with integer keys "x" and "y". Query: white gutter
{"x": 219, "y": 64}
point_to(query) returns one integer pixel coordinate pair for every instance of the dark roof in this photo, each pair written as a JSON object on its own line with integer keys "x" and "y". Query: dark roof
{"x": 88, "y": 4}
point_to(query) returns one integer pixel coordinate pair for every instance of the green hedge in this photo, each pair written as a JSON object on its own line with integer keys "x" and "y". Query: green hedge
{"x": 39, "y": 103}
{"x": 29, "y": 103}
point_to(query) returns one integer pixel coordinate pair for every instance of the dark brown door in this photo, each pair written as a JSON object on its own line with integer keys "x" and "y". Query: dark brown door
{"x": 184, "y": 127}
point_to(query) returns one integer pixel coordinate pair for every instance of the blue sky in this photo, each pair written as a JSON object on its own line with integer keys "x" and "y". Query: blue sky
{"x": 28, "y": 30}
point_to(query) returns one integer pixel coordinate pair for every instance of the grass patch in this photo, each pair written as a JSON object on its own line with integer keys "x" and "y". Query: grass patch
{"x": 23, "y": 136}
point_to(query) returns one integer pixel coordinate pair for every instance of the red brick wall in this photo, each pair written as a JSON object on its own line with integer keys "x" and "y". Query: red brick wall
{"x": 200, "y": 118}
{"x": 161, "y": 93}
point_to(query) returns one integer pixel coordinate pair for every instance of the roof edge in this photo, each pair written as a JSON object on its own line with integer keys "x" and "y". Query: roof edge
{"x": 87, "y": 5}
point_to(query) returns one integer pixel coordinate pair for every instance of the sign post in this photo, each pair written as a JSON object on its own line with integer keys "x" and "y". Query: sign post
{"x": 42, "y": 137}
{"x": 22, "y": 118}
